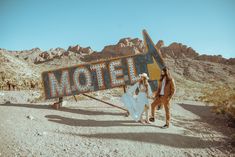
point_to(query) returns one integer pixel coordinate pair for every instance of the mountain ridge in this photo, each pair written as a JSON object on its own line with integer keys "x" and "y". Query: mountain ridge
{"x": 125, "y": 46}
{"x": 192, "y": 72}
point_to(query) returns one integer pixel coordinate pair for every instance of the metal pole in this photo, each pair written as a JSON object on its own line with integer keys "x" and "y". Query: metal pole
{"x": 75, "y": 98}
{"x": 105, "y": 102}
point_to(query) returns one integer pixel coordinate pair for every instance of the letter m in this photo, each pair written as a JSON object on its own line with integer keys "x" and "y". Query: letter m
{"x": 59, "y": 87}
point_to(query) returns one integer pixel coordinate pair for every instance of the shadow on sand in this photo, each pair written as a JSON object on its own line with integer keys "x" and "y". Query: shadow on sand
{"x": 93, "y": 123}
{"x": 64, "y": 109}
{"x": 173, "y": 140}
{"x": 207, "y": 117}
{"x": 167, "y": 139}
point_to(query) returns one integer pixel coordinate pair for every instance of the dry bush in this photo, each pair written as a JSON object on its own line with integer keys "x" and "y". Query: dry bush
{"x": 223, "y": 99}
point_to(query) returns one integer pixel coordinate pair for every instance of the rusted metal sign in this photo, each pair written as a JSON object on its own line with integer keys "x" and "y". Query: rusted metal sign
{"x": 104, "y": 74}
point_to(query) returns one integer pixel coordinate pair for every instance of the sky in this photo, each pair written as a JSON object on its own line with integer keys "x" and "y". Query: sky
{"x": 208, "y": 26}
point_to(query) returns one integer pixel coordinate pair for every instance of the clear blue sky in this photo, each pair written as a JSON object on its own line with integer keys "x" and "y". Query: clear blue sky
{"x": 208, "y": 26}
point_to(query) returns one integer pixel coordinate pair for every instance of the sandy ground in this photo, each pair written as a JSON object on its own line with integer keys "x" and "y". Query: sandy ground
{"x": 89, "y": 128}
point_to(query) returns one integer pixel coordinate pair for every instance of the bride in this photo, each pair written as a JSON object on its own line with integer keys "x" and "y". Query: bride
{"x": 138, "y": 104}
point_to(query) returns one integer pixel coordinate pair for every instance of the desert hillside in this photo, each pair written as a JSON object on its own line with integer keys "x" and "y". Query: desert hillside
{"x": 192, "y": 72}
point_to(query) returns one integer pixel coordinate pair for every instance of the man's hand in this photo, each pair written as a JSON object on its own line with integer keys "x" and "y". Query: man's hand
{"x": 156, "y": 96}
{"x": 151, "y": 97}
{"x": 168, "y": 98}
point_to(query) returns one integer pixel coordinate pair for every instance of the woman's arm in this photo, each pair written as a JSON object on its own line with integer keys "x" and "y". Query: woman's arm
{"x": 132, "y": 89}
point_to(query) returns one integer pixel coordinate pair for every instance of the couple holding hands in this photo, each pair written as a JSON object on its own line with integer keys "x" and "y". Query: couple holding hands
{"x": 138, "y": 103}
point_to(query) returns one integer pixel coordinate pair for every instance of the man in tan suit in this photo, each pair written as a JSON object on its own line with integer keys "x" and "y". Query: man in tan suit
{"x": 165, "y": 91}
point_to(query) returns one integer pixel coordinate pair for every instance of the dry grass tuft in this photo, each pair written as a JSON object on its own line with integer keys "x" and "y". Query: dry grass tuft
{"x": 222, "y": 97}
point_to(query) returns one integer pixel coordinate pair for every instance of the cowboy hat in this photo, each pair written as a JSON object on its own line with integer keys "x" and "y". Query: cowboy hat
{"x": 144, "y": 75}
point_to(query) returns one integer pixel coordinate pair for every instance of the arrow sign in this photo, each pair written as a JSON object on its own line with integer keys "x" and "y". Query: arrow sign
{"x": 104, "y": 74}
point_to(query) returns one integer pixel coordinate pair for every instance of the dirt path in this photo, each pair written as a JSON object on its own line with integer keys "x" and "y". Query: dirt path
{"x": 90, "y": 128}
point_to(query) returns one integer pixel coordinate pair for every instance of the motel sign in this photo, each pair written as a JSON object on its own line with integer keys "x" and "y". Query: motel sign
{"x": 104, "y": 74}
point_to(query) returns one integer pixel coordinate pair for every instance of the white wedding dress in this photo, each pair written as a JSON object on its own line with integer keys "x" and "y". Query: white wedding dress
{"x": 136, "y": 103}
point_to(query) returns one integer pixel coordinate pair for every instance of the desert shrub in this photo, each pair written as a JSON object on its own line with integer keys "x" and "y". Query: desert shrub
{"x": 222, "y": 97}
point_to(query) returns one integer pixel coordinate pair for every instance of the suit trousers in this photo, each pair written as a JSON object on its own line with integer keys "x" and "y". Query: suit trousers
{"x": 161, "y": 100}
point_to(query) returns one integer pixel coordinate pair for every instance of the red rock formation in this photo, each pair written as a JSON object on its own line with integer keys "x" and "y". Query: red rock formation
{"x": 74, "y": 48}
{"x": 178, "y": 50}
{"x": 125, "y": 46}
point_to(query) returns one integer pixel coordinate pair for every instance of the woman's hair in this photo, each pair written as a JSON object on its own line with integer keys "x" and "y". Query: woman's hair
{"x": 144, "y": 82}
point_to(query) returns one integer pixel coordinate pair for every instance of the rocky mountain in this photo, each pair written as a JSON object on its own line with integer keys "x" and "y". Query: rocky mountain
{"x": 125, "y": 46}
{"x": 192, "y": 71}
{"x": 128, "y": 46}
{"x": 178, "y": 50}
{"x": 16, "y": 72}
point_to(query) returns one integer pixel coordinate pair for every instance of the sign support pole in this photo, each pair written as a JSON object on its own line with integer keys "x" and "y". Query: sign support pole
{"x": 105, "y": 102}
